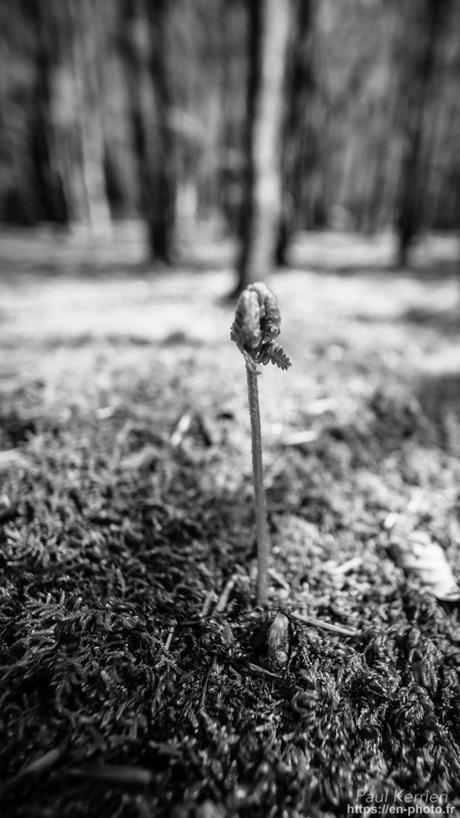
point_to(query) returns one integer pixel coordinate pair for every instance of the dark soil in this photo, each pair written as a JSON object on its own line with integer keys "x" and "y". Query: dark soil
{"x": 126, "y": 508}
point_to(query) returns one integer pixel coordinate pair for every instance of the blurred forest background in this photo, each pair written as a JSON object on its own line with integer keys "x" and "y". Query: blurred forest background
{"x": 265, "y": 117}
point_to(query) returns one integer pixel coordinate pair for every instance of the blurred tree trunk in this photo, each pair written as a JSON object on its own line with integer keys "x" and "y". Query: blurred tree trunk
{"x": 145, "y": 49}
{"x": 230, "y": 118}
{"x": 67, "y": 128}
{"x": 48, "y": 182}
{"x": 268, "y": 44}
{"x": 86, "y": 55}
{"x": 419, "y": 52}
{"x": 297, "y": 135}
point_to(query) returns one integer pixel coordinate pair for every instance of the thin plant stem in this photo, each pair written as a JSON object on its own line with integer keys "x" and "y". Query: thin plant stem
{"x": 262, "y": 536}
{"x": 255, "y": 331}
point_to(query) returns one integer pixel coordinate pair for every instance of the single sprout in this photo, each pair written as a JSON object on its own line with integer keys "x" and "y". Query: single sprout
{"x": 254, "y": 330}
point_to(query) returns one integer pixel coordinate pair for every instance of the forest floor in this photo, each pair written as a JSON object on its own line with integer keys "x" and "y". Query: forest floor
{"x": 126, "y": 509}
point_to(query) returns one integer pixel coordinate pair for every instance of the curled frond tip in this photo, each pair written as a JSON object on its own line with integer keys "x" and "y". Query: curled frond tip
{"x": 257, "y": 325}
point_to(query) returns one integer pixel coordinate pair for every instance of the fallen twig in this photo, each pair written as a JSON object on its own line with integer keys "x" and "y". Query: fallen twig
{"x": 279, "y": 579}
{"x": 206, "y": 682}
{"x": 326, "y": 626}
{"x": 181, "y": 429}
{"x": 261, "y": 671}
{"x": 114, "y": 774}
{"x": 210, "y": 596}
{"x": 225, "y": 595}
{"x": 301, "y": 438}
{"x": 347, "y": 566}
{"x": 40, "y": 765}
{"x": 169, "y": 638}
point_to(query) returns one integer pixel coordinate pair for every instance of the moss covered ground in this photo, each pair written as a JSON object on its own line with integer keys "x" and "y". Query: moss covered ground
{"x": 128, "y": 685}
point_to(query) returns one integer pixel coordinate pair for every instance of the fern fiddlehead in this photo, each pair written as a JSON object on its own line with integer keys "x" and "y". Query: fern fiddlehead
{"x": 257, "y": 325}
{"x": 254, "y": 330}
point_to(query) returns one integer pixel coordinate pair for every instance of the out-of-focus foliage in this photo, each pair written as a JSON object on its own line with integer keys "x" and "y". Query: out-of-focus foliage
{"x": 65, "y": 111}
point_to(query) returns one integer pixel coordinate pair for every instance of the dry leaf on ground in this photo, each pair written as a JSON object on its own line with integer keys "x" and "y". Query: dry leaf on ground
{"x": 421, "y": 556}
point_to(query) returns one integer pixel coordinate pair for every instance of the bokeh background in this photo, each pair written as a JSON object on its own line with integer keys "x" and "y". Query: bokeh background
{"x": 260, "y": 119}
